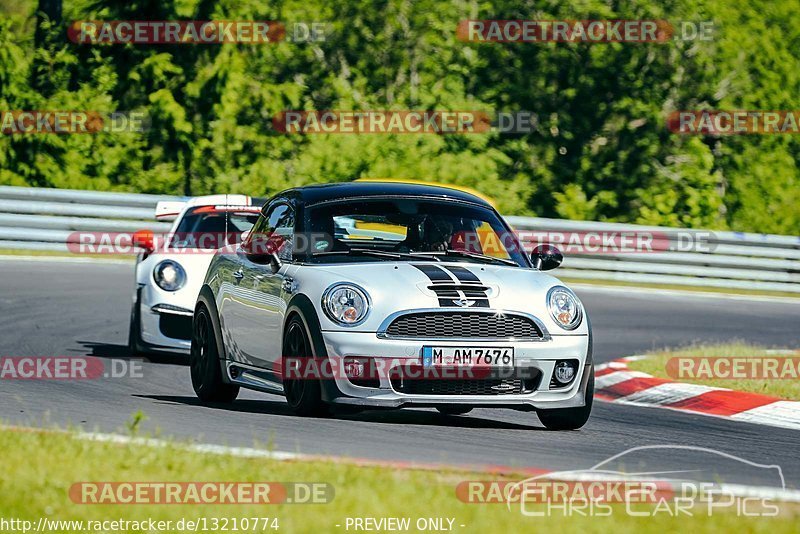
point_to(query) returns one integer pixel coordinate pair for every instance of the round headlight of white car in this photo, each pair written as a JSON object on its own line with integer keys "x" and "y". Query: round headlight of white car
{"x": 565, "y": 308}
{"x": 345, "y": 304}
{"x": 169, "y": 275}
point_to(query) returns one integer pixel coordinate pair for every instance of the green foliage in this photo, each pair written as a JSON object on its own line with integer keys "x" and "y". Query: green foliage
{"x": 601, "y": 150}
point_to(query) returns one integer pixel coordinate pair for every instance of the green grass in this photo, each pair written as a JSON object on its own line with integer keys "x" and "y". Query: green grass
{"x": 65, "y": 254}
{"x": 656, "y": 365}
{"x": 39, "y": 467}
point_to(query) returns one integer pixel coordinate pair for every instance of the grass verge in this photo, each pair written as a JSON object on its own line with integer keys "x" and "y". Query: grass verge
{"x": 785, "y": 388}
{"x": 65, "y": 254}
{"x": 39, "y": 467}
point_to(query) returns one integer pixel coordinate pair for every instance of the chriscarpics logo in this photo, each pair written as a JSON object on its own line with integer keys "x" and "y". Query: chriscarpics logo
{"x": 647, "y": 481}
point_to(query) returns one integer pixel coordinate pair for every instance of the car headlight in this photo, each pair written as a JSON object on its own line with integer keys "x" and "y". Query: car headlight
{"x": 565, "y": 308}
{"x": 169, "y": 275}
{"x": 345, "y": 304}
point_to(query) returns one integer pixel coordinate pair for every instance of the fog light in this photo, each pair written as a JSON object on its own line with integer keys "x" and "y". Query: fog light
{"x": 353, "y": 368}
{"x": 564, "y": 372}
{"x": 361, "y": 371}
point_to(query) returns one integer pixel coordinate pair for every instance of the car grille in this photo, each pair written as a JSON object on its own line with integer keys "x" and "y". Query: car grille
{"x": 463, "y": 325}
{"x": 461, "y": 386}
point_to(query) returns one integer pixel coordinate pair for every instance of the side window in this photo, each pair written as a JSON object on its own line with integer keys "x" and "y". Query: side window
{"x": 274, "y": 229}
{"x": 254, "y": 238}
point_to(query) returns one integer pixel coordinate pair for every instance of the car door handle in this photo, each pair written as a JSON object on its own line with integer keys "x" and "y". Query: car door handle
{"x": 238, "y": 274}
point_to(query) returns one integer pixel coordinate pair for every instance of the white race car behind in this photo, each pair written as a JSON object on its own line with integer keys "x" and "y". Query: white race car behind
{"x": 171, "y": 268}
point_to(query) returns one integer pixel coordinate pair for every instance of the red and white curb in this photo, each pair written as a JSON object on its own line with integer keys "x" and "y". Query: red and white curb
{"x": 616, "y": 382}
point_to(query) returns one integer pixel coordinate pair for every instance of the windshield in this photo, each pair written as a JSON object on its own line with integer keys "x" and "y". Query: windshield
{"x": 409, "y": 230}
{"x": 206, "y": 227}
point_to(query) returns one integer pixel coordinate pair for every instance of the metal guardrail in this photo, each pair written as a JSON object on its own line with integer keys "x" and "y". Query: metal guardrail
{"x": 682, "y": 257}
{"x": 46, "y": 219}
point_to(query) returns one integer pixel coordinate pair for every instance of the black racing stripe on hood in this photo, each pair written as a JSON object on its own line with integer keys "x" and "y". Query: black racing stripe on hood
{"x": 448, "y": 297}
{"x": 435, "y": 274}
{"x": 467, "y": 277}
{"x": 463, "y": 274}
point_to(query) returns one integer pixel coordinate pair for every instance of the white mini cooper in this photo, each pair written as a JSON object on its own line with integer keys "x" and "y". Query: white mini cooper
{"x": 386, "y": 295}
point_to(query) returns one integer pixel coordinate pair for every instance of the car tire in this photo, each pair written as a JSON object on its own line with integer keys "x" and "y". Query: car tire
{"x": 204, "y": 361}
{"x": 570, "y": 418}
{"x": 454, "y": 410}
{"x": 303, "y": 395}
{"x": 134, "y": 331}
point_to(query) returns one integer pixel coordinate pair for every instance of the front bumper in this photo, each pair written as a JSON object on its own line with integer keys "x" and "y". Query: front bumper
{"x": 539, "y": 356}
{"x": 166, "y": 319}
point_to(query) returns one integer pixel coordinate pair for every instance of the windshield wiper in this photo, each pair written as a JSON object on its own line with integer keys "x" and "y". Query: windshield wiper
{"x": 464, "y": 253}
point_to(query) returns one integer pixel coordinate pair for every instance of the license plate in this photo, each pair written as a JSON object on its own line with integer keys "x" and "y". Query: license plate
{"x": 468, "y": 356}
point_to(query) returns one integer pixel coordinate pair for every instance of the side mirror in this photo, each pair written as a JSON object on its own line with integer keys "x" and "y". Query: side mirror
{"x": 262, "y": 251}
{"x": 144, "y": 239}
{"x": 546, "y": 257}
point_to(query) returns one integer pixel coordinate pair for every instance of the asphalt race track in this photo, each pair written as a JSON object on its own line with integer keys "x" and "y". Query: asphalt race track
{"x": 50, "y": 307}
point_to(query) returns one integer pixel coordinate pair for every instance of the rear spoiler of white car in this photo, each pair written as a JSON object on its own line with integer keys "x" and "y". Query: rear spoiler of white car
{"x": 168, "y": 210}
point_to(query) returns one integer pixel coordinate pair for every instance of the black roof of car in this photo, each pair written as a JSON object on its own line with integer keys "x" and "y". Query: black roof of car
{"x": 312, "y": 194}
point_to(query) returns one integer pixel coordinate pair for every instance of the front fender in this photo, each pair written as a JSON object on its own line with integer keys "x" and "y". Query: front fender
{"x": 302, "y": 306}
